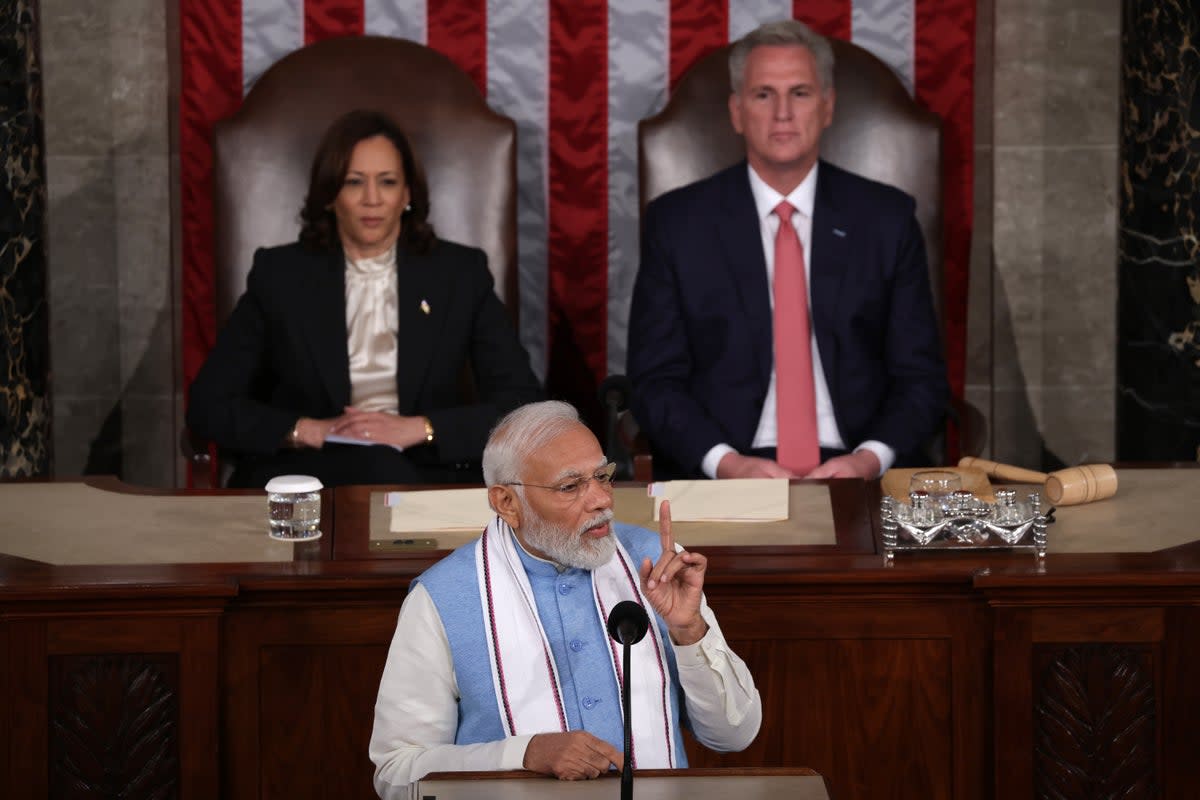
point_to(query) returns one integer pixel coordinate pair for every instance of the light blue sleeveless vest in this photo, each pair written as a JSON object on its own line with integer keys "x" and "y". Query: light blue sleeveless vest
{"x": 577, "y": 639}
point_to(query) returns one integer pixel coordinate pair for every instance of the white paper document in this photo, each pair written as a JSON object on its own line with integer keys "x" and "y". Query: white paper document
{"x": 334, "y": 438}
{"x": 439, "y": 510}
{"x": 737, "y": 499}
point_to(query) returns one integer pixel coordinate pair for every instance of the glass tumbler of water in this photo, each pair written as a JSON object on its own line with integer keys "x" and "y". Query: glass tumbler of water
{"x": 294, "y": 508}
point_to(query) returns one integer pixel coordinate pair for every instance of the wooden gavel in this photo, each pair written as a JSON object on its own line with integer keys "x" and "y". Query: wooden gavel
{"x": 1064, "y": 487}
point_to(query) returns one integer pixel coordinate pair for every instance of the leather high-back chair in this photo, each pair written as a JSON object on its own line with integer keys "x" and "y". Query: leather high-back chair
{"x": 263, "y": 155}
{"x": 878, "y": 131}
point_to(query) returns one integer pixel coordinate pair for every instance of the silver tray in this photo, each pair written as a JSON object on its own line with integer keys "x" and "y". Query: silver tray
{"x": 964, "y": 522}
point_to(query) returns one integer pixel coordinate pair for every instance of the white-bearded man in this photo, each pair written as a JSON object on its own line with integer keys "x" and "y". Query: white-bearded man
{"x": 501, "y": 659}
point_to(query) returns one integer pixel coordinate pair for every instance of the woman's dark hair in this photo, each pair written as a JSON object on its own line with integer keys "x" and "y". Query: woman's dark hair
{"x": 318, "y": 224}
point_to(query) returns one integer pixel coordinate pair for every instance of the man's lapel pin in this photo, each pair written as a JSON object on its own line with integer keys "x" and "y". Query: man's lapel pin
{"x": 424, "y": 306}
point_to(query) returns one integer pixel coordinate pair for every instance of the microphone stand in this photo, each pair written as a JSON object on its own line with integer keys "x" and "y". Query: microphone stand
{"x": 627, "y": 770}
{"x": 627, "y": 624}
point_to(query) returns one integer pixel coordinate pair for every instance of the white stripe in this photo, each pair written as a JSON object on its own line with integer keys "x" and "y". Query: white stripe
{"x": 403, "y": 19}
{"x": 746, "y": 15}
{"x": 886, "y": 28}
{"x": 638, "y": 52}
{"x": 270, "y": 30}
{"x": 518, "y": 86}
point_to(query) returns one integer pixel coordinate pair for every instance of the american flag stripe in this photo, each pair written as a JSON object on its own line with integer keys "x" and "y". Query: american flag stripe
{"x": 332, "y": 18}
{"x": 399, "y": 18}
{"x": 638, "y": 35}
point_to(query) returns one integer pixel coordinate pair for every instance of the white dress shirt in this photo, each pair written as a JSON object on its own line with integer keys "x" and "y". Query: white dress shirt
{"x": 416, "y": 714}
{"x": 802, "y": 199}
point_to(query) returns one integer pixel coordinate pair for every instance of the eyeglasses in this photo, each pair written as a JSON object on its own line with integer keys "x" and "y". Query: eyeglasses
{"x": 573, "y": 488}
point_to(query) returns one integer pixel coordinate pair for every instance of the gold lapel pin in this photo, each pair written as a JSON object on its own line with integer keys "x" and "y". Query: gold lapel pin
{"x": 425, "y": 306}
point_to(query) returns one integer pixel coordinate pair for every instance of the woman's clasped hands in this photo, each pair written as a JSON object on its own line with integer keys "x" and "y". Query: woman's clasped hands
{"x": 372, "y": 427}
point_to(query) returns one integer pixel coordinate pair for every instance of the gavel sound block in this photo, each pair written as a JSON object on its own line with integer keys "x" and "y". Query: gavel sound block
{"x": 1064, "y": 487}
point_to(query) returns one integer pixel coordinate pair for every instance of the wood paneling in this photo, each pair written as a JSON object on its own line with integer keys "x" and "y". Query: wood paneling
{"x": 1095, "y": 722}
{"x": 980, "y": 676}
{"x": 114, "y": 726}
{"x": 300, "y": 687}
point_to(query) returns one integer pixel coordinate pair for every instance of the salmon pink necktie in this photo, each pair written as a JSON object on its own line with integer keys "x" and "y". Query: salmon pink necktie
{"x": 795, "y": 400}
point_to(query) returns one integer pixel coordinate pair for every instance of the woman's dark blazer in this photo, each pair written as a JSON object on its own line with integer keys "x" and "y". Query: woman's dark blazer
{"x": 282, "y": 355}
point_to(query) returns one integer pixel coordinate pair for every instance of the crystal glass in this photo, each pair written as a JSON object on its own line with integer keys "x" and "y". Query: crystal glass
{"x": 939, "y": 484}
{"x": 294, "y": 508}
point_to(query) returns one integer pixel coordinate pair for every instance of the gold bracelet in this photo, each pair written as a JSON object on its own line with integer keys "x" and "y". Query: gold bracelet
{"x": 428, "y": 431}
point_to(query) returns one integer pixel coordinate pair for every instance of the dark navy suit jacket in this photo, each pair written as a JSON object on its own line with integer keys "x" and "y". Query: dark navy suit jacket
{"x": 700, "y": 331}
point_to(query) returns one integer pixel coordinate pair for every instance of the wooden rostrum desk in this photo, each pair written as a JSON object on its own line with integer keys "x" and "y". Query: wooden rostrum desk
{"x": 156, "y": 641}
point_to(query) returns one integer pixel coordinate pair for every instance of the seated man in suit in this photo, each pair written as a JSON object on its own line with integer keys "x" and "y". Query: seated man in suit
{"x": 738, "y": 369}
{"x": 501, "y": 659}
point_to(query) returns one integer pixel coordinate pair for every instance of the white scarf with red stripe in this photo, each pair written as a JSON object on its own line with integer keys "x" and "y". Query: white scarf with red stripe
{"x": 524, "y": 675}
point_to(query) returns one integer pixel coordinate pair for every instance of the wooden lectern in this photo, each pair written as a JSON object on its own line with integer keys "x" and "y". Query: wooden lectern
{"x": 651, "y": 784}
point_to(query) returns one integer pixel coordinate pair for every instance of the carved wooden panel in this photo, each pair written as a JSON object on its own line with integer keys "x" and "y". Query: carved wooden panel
{"x": 114, "y": 726}
{"x": 860, "y": 712}
{"x": 1095, "y": 723}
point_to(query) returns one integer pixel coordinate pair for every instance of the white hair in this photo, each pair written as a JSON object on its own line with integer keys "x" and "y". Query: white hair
{"x": 787, "y": 32}
{"x": 520, "y": 434}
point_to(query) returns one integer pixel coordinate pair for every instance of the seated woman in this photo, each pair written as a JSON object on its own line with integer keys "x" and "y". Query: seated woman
{"x": 362, "y": 331}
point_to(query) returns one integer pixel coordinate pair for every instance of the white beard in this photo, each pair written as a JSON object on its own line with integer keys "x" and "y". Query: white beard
{"x": 569, "y": 548}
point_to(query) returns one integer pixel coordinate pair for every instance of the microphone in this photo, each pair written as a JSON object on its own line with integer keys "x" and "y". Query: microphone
{"x": 627, "y": 624}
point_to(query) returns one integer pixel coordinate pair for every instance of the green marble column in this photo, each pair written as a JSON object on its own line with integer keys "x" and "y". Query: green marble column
{"x": 1158, "y": 348}
{"x": 24, "y": 324}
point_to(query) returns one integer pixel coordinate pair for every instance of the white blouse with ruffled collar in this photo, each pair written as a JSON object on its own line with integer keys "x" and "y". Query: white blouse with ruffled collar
{"x": 372, "y": 317}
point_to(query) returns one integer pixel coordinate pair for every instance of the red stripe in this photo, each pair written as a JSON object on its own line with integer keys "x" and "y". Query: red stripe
{"x": 697, "y": 28}
{"x": 325, "y": 19}
{"x": 828, "y": 17}
{"x": 577, "y": 138}
{"x": 459, "y": 31}
{"x": 945, "y": 78}
{"x": 210, "y": 36}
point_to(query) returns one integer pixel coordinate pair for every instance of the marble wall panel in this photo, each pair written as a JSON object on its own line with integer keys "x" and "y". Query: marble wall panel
{"x": 25, "y": 447}
{"x": 1082, "y": 72}
{"x": 143, "y": 253}
{"x": 1016, "y": 428}
{"x": 79, "y": 69}
{"x": 1021, "y": 28}
{"x": 1053, "y": 330}
{"x": 138, "y": 43}
{"x": 84, "y": 339}
{"x": 1079, "y": 257}
{"x": 108, "y": 89}
{"x": 148, "y": 422}
{"x": 91, "y": 432}
{"x": 1017, "y": 294}
{"x": 1159, "y": 406}
{"x": 1067, "y": 423}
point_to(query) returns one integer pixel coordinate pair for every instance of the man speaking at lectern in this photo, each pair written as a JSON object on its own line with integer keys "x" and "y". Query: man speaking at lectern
{"x": 501, "y": 660}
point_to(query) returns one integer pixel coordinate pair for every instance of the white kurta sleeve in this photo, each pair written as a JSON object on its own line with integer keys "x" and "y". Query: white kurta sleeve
{"x": 722, "y": 702}
{"x": 416, "y": 713}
